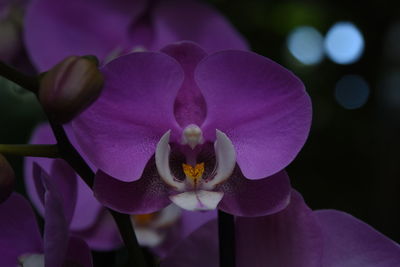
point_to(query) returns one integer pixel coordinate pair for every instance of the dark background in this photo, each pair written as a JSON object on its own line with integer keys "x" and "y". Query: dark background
{"x": 351, "y": 159}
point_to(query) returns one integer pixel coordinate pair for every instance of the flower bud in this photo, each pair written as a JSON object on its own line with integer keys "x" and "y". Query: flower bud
{"x": 69, "y": 87}
{"x": 7, "y": 178}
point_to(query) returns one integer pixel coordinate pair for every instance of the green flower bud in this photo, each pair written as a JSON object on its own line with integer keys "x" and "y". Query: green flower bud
{"x": 69, "y": 87}
{"x": 7, "y": 179}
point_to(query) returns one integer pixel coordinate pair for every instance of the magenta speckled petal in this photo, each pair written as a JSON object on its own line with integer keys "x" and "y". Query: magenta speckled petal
{"x": 177, "y": 20}
{"x": 119, "y": 132}
{"x": 244, "y": 197}
{"x": 146, "y": 195}
{"x": 262, "y": 107}
{"x": 78, "y": 253}
{"x": 350, "y": 242}
{"x": 103, "y": 235}
{"x": 198, "y": 250}
{"x": 19, "y": 230}
{"x": 289, "y": 238}
{"x": 57, "y": 29}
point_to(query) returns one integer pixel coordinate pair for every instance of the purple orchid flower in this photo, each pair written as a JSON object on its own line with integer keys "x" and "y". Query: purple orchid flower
{"x": 199, "y": 130}
{"x": 294, "y": 237}
{"x": 20, "y": 240}
{"x": 109, "y": 28}
{"x": 90, "y": 220}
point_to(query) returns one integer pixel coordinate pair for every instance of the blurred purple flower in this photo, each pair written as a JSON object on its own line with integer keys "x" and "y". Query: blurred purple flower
{"x": 171, "y": 126}
{"x": 11, "y": 15}
{"x": 20, "y": 240}
{"x": 162, "y": 230}
{"x": 90, "y": 220}
{"x": 294, "y": 237}
{"x": 109, "y": 28}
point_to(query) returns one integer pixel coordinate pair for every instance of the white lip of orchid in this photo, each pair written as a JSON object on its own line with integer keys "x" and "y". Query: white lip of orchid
{"x": 197, "y": 200}
{"x": 197, "y": 193}
{"x": 192, "y": 136}
{"x": 31, "y": 260}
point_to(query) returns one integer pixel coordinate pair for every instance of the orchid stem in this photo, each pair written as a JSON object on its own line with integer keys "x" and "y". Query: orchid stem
{"x": 30, "y": 83}
{"x": 45, "y": 151}
{"x": 226, "y": 232}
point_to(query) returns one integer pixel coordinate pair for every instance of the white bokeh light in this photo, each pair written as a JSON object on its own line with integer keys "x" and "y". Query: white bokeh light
{"x": 305, "y": 43}
{"x": 344, "y": 43}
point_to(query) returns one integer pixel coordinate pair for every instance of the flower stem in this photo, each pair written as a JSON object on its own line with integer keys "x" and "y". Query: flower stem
{"x": 30, "y": 83}
{"x": 226, "y": 232}
{"x": 45, "y": 151}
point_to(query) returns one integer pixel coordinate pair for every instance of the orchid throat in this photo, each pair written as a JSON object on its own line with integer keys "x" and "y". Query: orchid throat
{"x": 194, "y": 177}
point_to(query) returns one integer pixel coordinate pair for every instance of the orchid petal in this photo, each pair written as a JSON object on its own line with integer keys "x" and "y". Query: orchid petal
{"x": 146, "y": 195}
{"x": 41, "y": 135}
{"x": 31, "y": 260}
{"x": 57, "y": 29}
{"x": 103, "y": 235}
{"x": 163, "y": 150}
{"x": 262, "y": 107}
{"x": 201, "y": 247}
{"x": 177, "y": 20}
{"x": 56, "y": 226}
{"x": 350, "y": 242}
{"x": 189, "y": 105}
{"x": 189, "y": 222}
{"x": 226, "y": 160}
{"x": 19, "y": 230}
{"x": 244, "y": 197}
{"x": 197, "y": 200}
{"x": 167, "y": 216}
{"x": 62, "y": 183}
{"x": 144, "y": 85}
{"x": 149, "y": 237}
{"x": 87, "y": 207}
{"x": 289, "y": 238}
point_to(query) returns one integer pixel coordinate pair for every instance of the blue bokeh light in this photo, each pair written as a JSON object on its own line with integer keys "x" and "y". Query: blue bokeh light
{"x": 305, "y": 43}
{"x": 352, "y": 91}
{"x": 344, "y": 43}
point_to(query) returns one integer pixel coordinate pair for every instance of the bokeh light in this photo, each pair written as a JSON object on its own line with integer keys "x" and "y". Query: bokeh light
{"x": 305, "y": 43}
{"x": 344, "y": 43}
{"x": 352, "y": 91}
